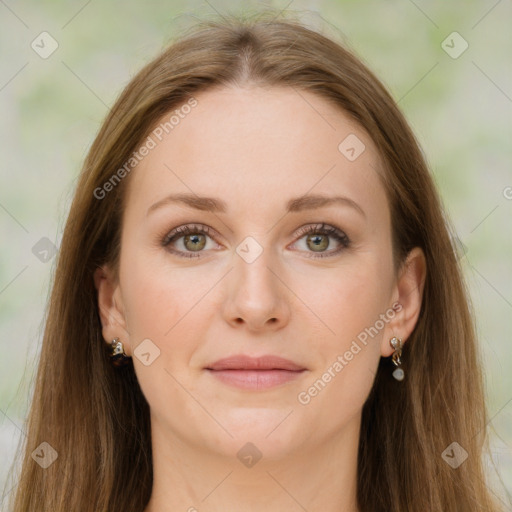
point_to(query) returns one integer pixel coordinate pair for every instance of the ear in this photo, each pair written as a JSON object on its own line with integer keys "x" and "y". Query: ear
{"x": 111, "y": 309}
{"x": 408, "y": 296}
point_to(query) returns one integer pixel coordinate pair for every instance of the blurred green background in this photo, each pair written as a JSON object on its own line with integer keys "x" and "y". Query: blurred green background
{"x": 460, "y": 107}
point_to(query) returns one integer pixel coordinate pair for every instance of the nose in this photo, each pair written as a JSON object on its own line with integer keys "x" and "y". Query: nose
{"x": 257, "y": 297}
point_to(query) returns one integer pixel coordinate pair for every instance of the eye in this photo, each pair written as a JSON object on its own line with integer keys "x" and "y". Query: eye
{"x": 317, "y": 239}
{"x": 193, "y": 239}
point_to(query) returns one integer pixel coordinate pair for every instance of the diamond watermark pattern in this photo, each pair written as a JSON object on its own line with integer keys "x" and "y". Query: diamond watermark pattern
{"x": 44, "y": 250}
{"x": 351, "y": 147}
{"x": 249, "y": 249}
{"x": 249, "y": 455}
{"x": 146, "y": 352}
{"x": 45, "y": 455}
{"x": 454, "y": 455}
{"x": 454, "y": 45}
{"x": 44, "y": 45}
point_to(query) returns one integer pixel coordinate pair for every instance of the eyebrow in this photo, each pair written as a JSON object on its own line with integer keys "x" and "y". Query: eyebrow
{"x": 215, "y": 205}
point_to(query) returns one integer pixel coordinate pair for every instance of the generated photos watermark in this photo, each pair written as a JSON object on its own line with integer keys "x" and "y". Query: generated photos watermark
{"x": 305, "y": 397}
{"x": 150, "y": 143}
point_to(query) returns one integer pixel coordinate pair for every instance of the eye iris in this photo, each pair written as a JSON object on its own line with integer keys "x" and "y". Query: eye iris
{"x": 194, "y": 239}
{"x": 318, "y": 244}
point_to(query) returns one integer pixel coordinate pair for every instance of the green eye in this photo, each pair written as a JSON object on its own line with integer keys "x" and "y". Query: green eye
{"x": 318, "y": 240}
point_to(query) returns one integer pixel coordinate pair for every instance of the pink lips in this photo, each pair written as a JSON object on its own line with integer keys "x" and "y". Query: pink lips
{"x": 259, "y": 373}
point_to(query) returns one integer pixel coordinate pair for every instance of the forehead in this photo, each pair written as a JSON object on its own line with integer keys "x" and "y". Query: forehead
{"x": 255, "y": 147}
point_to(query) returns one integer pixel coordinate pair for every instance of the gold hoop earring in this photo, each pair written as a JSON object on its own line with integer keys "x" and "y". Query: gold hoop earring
{"x": 117, "y": 355}
{"x": 397, "y": 344}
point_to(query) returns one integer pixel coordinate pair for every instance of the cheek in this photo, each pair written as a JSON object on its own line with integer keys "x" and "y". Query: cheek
{"x": 164, "y": 305}
{"x": 349, "y": 299}
{"x": 156, "y": 296}
{"x": 351, "y": 306}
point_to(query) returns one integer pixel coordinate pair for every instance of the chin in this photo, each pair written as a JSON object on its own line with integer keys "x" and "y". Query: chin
{"x": 275, "y": 432}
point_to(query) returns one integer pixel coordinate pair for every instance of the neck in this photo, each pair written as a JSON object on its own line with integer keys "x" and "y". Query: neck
{"x": 314, "y": 477}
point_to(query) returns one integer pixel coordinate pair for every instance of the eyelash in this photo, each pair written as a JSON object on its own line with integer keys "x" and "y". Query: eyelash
{"x": 319, "y": 229}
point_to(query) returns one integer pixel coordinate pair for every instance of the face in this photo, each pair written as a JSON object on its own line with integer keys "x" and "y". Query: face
{"x": 268, "y": 271}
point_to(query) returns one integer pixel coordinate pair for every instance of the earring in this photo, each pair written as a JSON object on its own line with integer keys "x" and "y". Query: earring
{"x": 396, "y": 343}
{"x": 117, "y": 355}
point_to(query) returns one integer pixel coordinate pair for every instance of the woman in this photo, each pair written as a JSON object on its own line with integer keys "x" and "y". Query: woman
{"x": 257, "y": 305}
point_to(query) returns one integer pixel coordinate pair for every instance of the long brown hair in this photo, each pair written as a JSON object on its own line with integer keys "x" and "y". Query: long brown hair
{"x": 96, "y": 417}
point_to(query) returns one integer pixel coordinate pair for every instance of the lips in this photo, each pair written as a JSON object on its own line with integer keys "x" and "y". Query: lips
{"x": 255, "y": 373}
{"x": 243, "y": 362}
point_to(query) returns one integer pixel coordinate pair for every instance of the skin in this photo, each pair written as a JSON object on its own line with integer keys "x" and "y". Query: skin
{"x": 255, "y": 149}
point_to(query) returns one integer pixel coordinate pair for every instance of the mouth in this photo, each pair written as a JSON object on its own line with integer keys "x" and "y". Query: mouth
{"x": 259, "y": 373}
